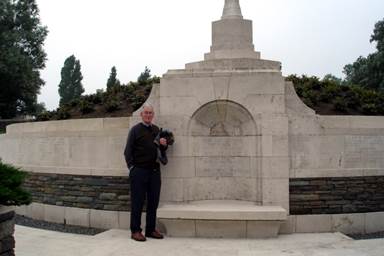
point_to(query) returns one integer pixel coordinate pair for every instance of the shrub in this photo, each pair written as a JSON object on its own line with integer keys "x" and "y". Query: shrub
{"x": 111, "y": 105}
{"x": 86, "y": 107}
{"x": 369, "y": 109}
{"x": 339, "y": 104}
{"x": 63, "y": 113}
{"x": 45, "y": 116}
{"x": 11, "y": 192}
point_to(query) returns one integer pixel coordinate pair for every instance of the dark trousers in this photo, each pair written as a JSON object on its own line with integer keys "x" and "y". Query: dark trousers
{"x": 145, "y": 184}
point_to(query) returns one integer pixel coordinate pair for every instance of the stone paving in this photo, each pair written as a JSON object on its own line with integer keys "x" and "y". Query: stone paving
{"x": 33, "y": 242}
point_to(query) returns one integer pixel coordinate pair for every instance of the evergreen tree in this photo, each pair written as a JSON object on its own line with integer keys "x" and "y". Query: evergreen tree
{"x": 21, "y": 56}
{"x": 70, "y": 87}
{"x": 368, "y": 72}
{"x": 112, "y": 80}
{"x": 144, "y": 76}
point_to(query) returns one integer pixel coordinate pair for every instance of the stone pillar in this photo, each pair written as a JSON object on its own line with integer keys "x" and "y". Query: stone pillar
{"x": 7, "y": 228}
{"x": 232, "y": 36}
{"x": 232, "y": 10}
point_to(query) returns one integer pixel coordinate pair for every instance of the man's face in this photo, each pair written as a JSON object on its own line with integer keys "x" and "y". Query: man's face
{"x": 147, "y": 115}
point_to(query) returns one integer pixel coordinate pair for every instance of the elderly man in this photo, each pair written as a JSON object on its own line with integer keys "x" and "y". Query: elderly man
{"x": 141, "y": 154}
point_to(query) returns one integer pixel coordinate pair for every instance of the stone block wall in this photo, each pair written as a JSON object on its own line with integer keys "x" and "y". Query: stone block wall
{"x": 7, "y": 228}
{"x": 80, "y": 191}
{"x": 339, "y": 195}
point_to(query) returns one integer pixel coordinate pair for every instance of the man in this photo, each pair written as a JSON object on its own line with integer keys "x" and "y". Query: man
{"x": 141, "y": 154}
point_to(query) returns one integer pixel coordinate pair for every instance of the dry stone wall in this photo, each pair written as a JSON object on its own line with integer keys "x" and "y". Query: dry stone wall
{"x": 81, "y": 191}
{"x": 339, "y": 195}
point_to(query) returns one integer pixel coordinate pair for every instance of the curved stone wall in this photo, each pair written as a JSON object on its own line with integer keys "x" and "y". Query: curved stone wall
{"x": 78, "y": 174}
{"x": 79, "y": 147}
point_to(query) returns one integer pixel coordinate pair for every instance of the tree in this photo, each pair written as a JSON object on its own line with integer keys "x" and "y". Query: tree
{"x": 70, "y": 86}
{"x": 144, "y": 76}
{"x": 378, "y": 35}
{"x": 368, "y": 72}
{"x": 21, "y": 56}
{"x": 112, "y": 80}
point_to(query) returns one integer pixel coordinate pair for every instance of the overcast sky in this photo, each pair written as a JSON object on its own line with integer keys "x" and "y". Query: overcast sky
{"x": 313, "y": 37}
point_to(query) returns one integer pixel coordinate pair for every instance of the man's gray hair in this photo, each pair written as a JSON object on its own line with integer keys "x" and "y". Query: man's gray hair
{"x": 146, "y": 105}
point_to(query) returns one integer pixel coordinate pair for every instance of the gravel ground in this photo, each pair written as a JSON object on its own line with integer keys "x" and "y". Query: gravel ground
{"x": 367, "y": 236}
{"x": 25, "y": 221}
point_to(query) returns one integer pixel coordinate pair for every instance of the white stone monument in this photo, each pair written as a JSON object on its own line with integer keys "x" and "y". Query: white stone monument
{"x": 231, "y": 158}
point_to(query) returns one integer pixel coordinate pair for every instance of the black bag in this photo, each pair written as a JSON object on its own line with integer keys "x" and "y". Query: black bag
{"x": 161, "y": 150}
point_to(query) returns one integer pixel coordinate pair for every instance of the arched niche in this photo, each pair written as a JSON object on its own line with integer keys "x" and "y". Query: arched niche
{"x": 225, "y": 147}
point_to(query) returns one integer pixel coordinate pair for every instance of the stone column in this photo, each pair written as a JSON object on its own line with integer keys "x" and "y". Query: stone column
{"x": 232, "y": 36}
{"x": 7, "y": 228}
{"x": 232, "y": 10}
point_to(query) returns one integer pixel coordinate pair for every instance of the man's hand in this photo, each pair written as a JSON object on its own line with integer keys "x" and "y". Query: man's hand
{"x": 163, "y": 141}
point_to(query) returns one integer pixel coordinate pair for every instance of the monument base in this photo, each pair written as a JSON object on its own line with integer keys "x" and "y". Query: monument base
{"x": 221, "y": 219}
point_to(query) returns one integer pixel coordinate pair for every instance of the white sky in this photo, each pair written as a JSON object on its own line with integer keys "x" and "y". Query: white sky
{"x": 313, "y": 37}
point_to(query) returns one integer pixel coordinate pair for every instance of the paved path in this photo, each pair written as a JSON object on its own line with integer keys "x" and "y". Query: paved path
{"x": 37, "y": 242}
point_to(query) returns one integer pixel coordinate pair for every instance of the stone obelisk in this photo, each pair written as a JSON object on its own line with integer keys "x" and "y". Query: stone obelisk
{"x": 232, "y": 35}
{"x": 232, "y": 10}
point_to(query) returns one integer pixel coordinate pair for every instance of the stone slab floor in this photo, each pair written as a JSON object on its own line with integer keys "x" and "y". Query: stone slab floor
{"x": 33, "y": 242}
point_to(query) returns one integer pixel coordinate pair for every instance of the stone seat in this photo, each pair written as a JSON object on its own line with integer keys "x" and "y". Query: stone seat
{"x": 221, "y": 219}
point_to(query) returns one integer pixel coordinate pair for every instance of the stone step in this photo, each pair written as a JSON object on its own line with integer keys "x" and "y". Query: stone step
{"x": 226, "y": 219}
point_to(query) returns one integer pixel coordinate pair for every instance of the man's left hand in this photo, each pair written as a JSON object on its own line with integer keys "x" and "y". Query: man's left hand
{"x": 163, "y": 141}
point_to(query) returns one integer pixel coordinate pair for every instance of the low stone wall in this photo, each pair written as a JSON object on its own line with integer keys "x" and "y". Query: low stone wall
{"x": 7, "y": 228}
{"x": 80, "y": 191}
{"x": 5, "y": 122}
{"x": 339, "y": 195}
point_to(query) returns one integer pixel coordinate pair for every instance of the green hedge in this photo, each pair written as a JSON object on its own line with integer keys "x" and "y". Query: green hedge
{"x": 344, "y": 99}
{"x": 127, "y": 97}
{"x": 11, "y": 180}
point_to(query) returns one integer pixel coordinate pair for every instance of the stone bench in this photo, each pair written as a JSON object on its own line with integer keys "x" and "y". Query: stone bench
{"x": 221, "y": 219}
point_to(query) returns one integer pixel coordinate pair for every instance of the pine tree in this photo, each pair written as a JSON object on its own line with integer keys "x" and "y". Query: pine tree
{"x": 70, "y": 87}
{"x": 112, "y": 80}
{"x": 144, "y": 76}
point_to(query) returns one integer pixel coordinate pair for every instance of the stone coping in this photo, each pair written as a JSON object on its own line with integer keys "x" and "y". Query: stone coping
{"x": 72, "y": 125}
{"x": 221, "y": 210}
{"x": 334, "y": 173}
{"x": 351, "y": 122}
{"x": 4, "y": 209}
{"x": 73, "y": 170}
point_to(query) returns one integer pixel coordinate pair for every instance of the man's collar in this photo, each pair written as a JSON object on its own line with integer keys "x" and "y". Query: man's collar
{"x": 146, "y": 125}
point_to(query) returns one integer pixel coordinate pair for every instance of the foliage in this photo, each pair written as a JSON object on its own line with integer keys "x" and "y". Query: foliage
{"x": 120, "y": 100}
{"x": 70, "y": 87}
{"x": 11, "y": 180}
{"x": 144, "y": 76}
{"x": 21, "y": 57}
{"x": 86, "y": 107}
{"x": 368, "y": 72}
{"x": 112, "y": 80}
{"x": 340, "y": 97}
{"x": 111, "y": 105}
